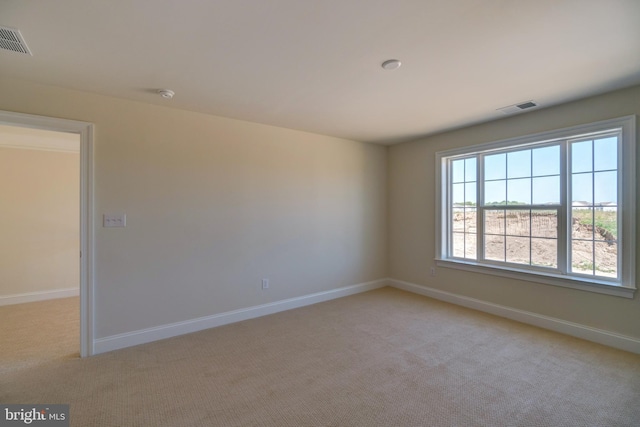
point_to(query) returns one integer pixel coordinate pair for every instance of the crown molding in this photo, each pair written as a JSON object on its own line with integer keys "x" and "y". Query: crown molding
{"x": 36, "y": 139}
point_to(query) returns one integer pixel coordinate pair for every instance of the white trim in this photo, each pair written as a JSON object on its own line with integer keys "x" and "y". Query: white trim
{"x": 588, "y": 333}
{"x": 628, "y": 194}
{"x": 572, "y": 132}
{"x": 537, "y": 276}
{"x": 85, "y": 130}
{"x": 87, "y": 229}
{"x": 142, "y": 336}
{"x": 59, "y": 149}
{"x": 47, "y": 144}
{"x": 38, "y": 296}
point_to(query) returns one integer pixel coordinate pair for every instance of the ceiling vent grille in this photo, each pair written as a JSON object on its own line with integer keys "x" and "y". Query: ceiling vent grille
{"x": 11, "y": 39}
{"x": 516, "y": 108}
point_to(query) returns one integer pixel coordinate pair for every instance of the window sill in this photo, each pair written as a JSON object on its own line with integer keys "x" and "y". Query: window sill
{"x": 590, "y": 285}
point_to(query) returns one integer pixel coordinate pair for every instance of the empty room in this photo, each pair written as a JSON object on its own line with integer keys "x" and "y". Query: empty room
{"x": 337, "y": 213}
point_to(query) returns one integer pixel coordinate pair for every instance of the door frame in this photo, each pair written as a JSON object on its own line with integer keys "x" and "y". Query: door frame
{"x": 85, "y": 131}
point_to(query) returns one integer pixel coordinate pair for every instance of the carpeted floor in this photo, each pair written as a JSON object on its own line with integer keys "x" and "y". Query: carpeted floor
{"x": 381, "y": 358}
{"x": 39, "y": 332}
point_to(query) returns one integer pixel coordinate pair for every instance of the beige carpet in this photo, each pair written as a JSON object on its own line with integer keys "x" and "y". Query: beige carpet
{"x": 382, "y": 358}
{"x": 38, "y": 332}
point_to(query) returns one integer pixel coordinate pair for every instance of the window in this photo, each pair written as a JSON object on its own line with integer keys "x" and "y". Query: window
{"x": 556, "y": 208}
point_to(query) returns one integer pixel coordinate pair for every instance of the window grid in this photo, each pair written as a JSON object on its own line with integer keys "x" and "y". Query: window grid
{"x": 509, "y": 203}
{"x": 466, "y": 236}
{"x": 597, "y": 264}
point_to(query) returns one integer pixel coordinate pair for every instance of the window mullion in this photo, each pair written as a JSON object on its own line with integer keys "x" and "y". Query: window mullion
{"x": 564, "y": 213}
{"x": 531, "y": 212}
{"x": 480, "y": 208}
{"x": 449, "y": 209}
{"x": 621, "y": 204}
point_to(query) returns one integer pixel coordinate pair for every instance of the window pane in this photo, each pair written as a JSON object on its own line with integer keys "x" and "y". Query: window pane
{"x": 518, "y": 223}
{"x": 495, "y": 192}
{"x": 457, "y": 245}
{"x": 546, "y": 190}
{"x": 582, "y": 223}
{"x": 581, "y": 160}
{"x": 470, "y": 223}
{"x": 518, "y": 250}
{"x": 519, "y": 191}
{"x": 605, "y": 188}
{"x": 519, "y": 164}
{"x": 606, "y": 262}
{"x": 544, "y": 252}
{"x": 582, "y": 257}
{"x": 606, "y": 224}
{"x": 494, "y": 222}
{"x": 470, "y": 169}
{"x": 457, "y": 171}
{"x": 581, "y": 189}
{"x": 546, "y": 161}
{"x": 458, "y": 194}
{"x": 464, "y": 245}
{"x": 495, "y": 166}
{"x": 544, "y": 223}
{"x": 470, "y": 248}
{"x": 605, "y": 153}
{"x": 457, "y": 220}
{"x": 494, "y": 248}
{"x": 470, "y": 194}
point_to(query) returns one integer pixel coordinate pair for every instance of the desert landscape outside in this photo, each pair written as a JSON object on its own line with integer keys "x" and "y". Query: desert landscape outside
{"x": 530, "y": 237}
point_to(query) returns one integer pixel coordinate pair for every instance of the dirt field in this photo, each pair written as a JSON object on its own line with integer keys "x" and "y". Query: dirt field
{"x": 594, "y": 249}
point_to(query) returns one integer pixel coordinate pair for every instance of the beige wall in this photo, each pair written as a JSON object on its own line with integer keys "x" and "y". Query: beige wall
{"x": 213, "y": 205}
{"x": 39, "y": 240}
{"x": 412, "y": 208}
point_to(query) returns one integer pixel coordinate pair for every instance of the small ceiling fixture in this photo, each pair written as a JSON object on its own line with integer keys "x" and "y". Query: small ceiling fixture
{"x": 166, "y": 93}
{"x": 391, "y": 64}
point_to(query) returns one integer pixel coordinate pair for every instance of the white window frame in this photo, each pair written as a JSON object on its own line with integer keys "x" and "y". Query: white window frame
{"x": 625, "y": 286}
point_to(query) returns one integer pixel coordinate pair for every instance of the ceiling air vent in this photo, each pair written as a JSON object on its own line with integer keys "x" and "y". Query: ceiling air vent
{"x": 516, "y": 108}
{"x": 11, "y": 39}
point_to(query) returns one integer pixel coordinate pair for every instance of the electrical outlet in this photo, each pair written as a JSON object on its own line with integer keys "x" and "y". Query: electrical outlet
{"x": 265, "y": 283}
{"x": 433, "y": 271}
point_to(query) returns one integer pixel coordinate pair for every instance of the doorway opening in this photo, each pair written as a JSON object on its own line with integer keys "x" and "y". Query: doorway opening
{"x": 47, "y": 230}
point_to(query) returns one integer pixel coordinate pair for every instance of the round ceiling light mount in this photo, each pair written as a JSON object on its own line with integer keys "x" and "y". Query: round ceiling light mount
{"x": 166, "y": 93}
{"x": 391, "y": 64}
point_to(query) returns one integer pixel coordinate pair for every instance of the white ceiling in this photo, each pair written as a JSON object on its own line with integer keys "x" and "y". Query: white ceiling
{"x": 314, "y": 65}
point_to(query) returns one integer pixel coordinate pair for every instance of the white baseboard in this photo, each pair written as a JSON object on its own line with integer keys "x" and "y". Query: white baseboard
{"x": 38, "y": 296}
{"x": 142, "y": 336}
{"x": 588, "y": 333}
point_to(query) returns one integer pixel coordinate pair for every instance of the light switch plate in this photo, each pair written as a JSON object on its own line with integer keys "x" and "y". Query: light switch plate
{"x": 114, "y": 220}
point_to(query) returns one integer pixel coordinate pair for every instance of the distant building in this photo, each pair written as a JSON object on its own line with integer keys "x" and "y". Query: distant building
{"x": 581, "y": 205}
{"x": 602, "y": 206}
